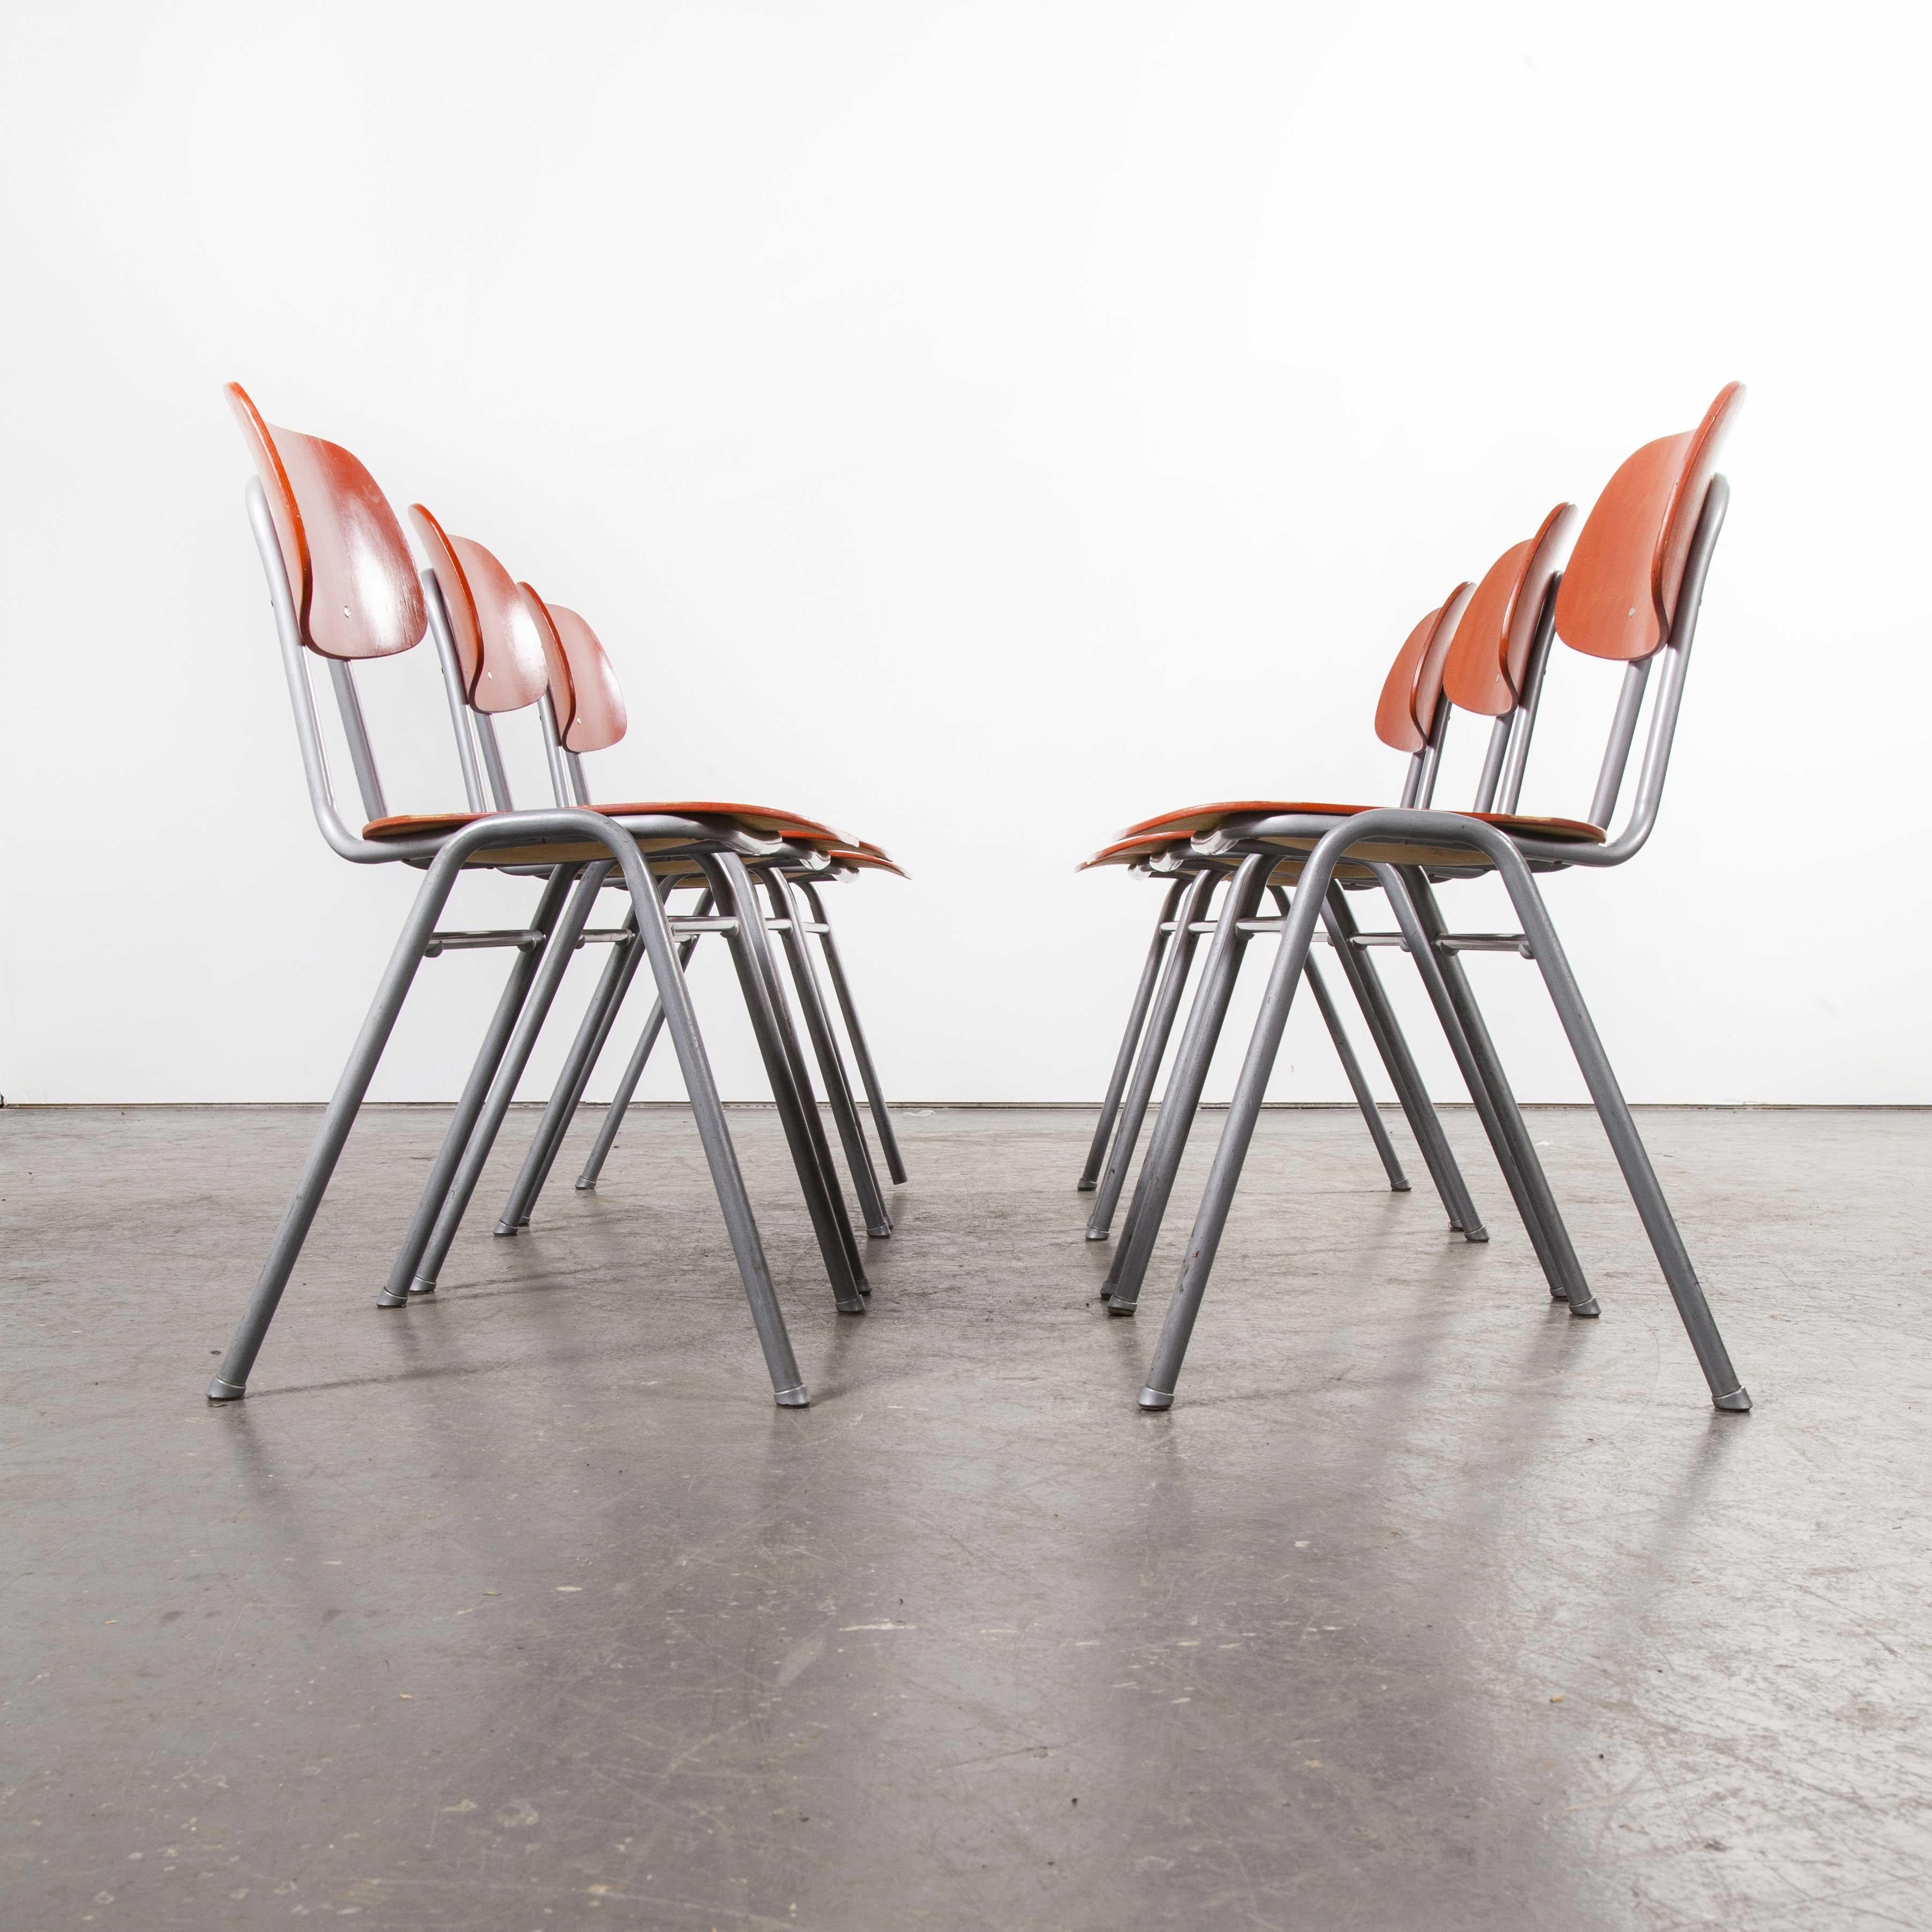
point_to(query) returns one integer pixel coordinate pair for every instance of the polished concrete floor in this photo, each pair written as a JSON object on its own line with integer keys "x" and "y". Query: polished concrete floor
{"x": 1426, "y": 1606}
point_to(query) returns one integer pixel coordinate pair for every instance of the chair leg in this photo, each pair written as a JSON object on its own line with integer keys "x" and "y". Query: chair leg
{"x": 1191, "y": 907}
{"x": 1344, "y": 1052}
{"x": 600, "y": 1014}
{"x": 627, "y": 1087}
{"x": 1372, "y": 999}
{"x": 1407, "y": 890}
{"x": 788, "y": 1389}
{"x": 788, "y": 906}
{"x": 503, "y": 1089}
{"x": 1123, "y": 1060}
{"x": 750, "y": 955}
{"x": 231, "y": 1381}
{"x": 1237, "y": 1133}
{"x": 462, "y": 1123}
{"x": 1727, "y": 1391}
{"x": 1184, "y": 1085}
{"x": 862, "y": 1053}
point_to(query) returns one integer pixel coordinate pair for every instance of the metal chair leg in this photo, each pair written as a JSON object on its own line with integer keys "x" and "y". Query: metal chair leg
{"x": 797, "y": 1113}
{"x": 1344, "y": 1052}
{"x": 1178, "y": 1106}
{"x": 231, "y": 1381}
{"x": 1408, "y": 892}
{"x": 627, "y": 1086}
{"x": 1182, "y": 942}
{"x": 599, "y": 1016}
{"x": 1237, "y": 1133}
{"x": 462, "y": 1123}
{"x": 1123, "y": 1060}
{"x": 503, "y": 1088}
{"x": 831, "y": 1067}
{"x": 1727, "y": 1392}
{"x": 1372, "y": 999}
{"x": 862, "y": 1053}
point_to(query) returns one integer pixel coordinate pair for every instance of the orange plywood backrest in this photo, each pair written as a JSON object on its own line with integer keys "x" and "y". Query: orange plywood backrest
{"x": 1407, "y": 708}
{"x": 355, "y": 588}
{"x": 583, "y": 692}
{"x": 1487, "y": 662}
{"x": 509, "y": 671}
{"x": 1619, "y": 593}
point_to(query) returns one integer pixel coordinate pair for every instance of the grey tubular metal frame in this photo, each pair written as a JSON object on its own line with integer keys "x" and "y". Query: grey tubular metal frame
{"x": 1514, "y": 858}
{"x": 711, "y": 844}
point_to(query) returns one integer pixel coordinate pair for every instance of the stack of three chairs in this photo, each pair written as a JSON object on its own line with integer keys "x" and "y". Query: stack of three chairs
{"x": 345, "y": 591}
{"x": 1630, "y": 593}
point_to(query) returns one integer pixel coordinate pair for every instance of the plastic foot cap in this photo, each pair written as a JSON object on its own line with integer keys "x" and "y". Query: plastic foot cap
{"x": 795, "y": 1397}
{"x": 1122, "y": 1307}
{"x": 503, "y": 1228}
{"x": 1153, "y": 1398}
{"x": 219, "y": 1391}
{"x": 1085, "y": 1186}
{"x": 389, "y": 1298}
{"x": 852, "y": 1307}
{"x": 1586, "y": 1310}
{"x": 1737, "y": 1402}
{"x": 1398, "y": 1185}
{"x": 1476, "y": 1233}
{"x": 424, "y": 1284}
{"x": 883, "y": 1232}
{"x": 586, "y": 1186}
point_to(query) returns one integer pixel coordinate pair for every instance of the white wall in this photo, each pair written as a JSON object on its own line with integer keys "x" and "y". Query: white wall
{"x": 977, "y": 425}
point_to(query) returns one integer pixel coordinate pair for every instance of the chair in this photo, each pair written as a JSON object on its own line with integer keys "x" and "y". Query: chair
{"x": 505, "y": 648}
{"x": 585, "y": 712}
{"x": 1507, "y": 610}
{"x": 1630, "y": 594}
{"x": 343, "y": 589}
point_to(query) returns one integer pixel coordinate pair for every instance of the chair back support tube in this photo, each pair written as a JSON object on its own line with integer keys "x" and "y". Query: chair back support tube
{"x": 1492, "y": 765}
{"x": 1623, "y": 735}
{"x": 452, "y": 687}
{"x": 362, "y": 753}
{"x": 1522, "y": 721}
{"x": 492, "y": 759}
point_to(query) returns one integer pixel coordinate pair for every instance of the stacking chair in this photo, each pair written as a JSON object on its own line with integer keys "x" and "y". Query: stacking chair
{"x": 505, "y": 648}
{"x": 1630, "y": 594}
{"x": 343, "y": 589}
{"x": 585, "y": 712}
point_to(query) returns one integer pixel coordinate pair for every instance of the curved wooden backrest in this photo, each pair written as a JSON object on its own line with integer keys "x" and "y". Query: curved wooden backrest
{"x": 355, "y": 588}
{"x": 1406, "y": 709}
{"x": 1485, "y": 669}
{"x": 500, "y": 645}
{"x": 1619, "y": 593}
{"x": 583, "y": 692}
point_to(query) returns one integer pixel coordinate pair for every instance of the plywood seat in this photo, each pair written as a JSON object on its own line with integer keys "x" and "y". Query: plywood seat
{"x": 1175, "y": 829}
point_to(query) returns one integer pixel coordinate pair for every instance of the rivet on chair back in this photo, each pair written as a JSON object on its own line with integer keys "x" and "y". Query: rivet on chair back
{"x": 355, "y": 588}
{"x": 1620, "y": 591}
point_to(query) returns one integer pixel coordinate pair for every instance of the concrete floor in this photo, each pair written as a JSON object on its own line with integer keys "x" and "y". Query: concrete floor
{"x": 1425, "y": 1607}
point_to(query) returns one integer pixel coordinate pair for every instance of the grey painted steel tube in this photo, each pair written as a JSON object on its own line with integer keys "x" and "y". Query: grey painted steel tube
{"x": 862, "y": 1053}
{"x": 1184, "y": 1085}
{"x": 831, "y": 1067}
{"x": 627, "y": 1087}
{"x": 788, "y": 1390}
{"x": 1372, "y": 997}
{"x": 463, "y": 1124}
{"x": 503, "y": 1088}
{"x": 599, "y": 1016}
{"x": 797, "y": 1114}
{"x": 1408, "y": 891}
{"x": 1166, "y": 1004}
{"x": 1345, "y": 1050}
{"x": 1123, "y": 1060}
{"x": 1726, "y": 1393}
